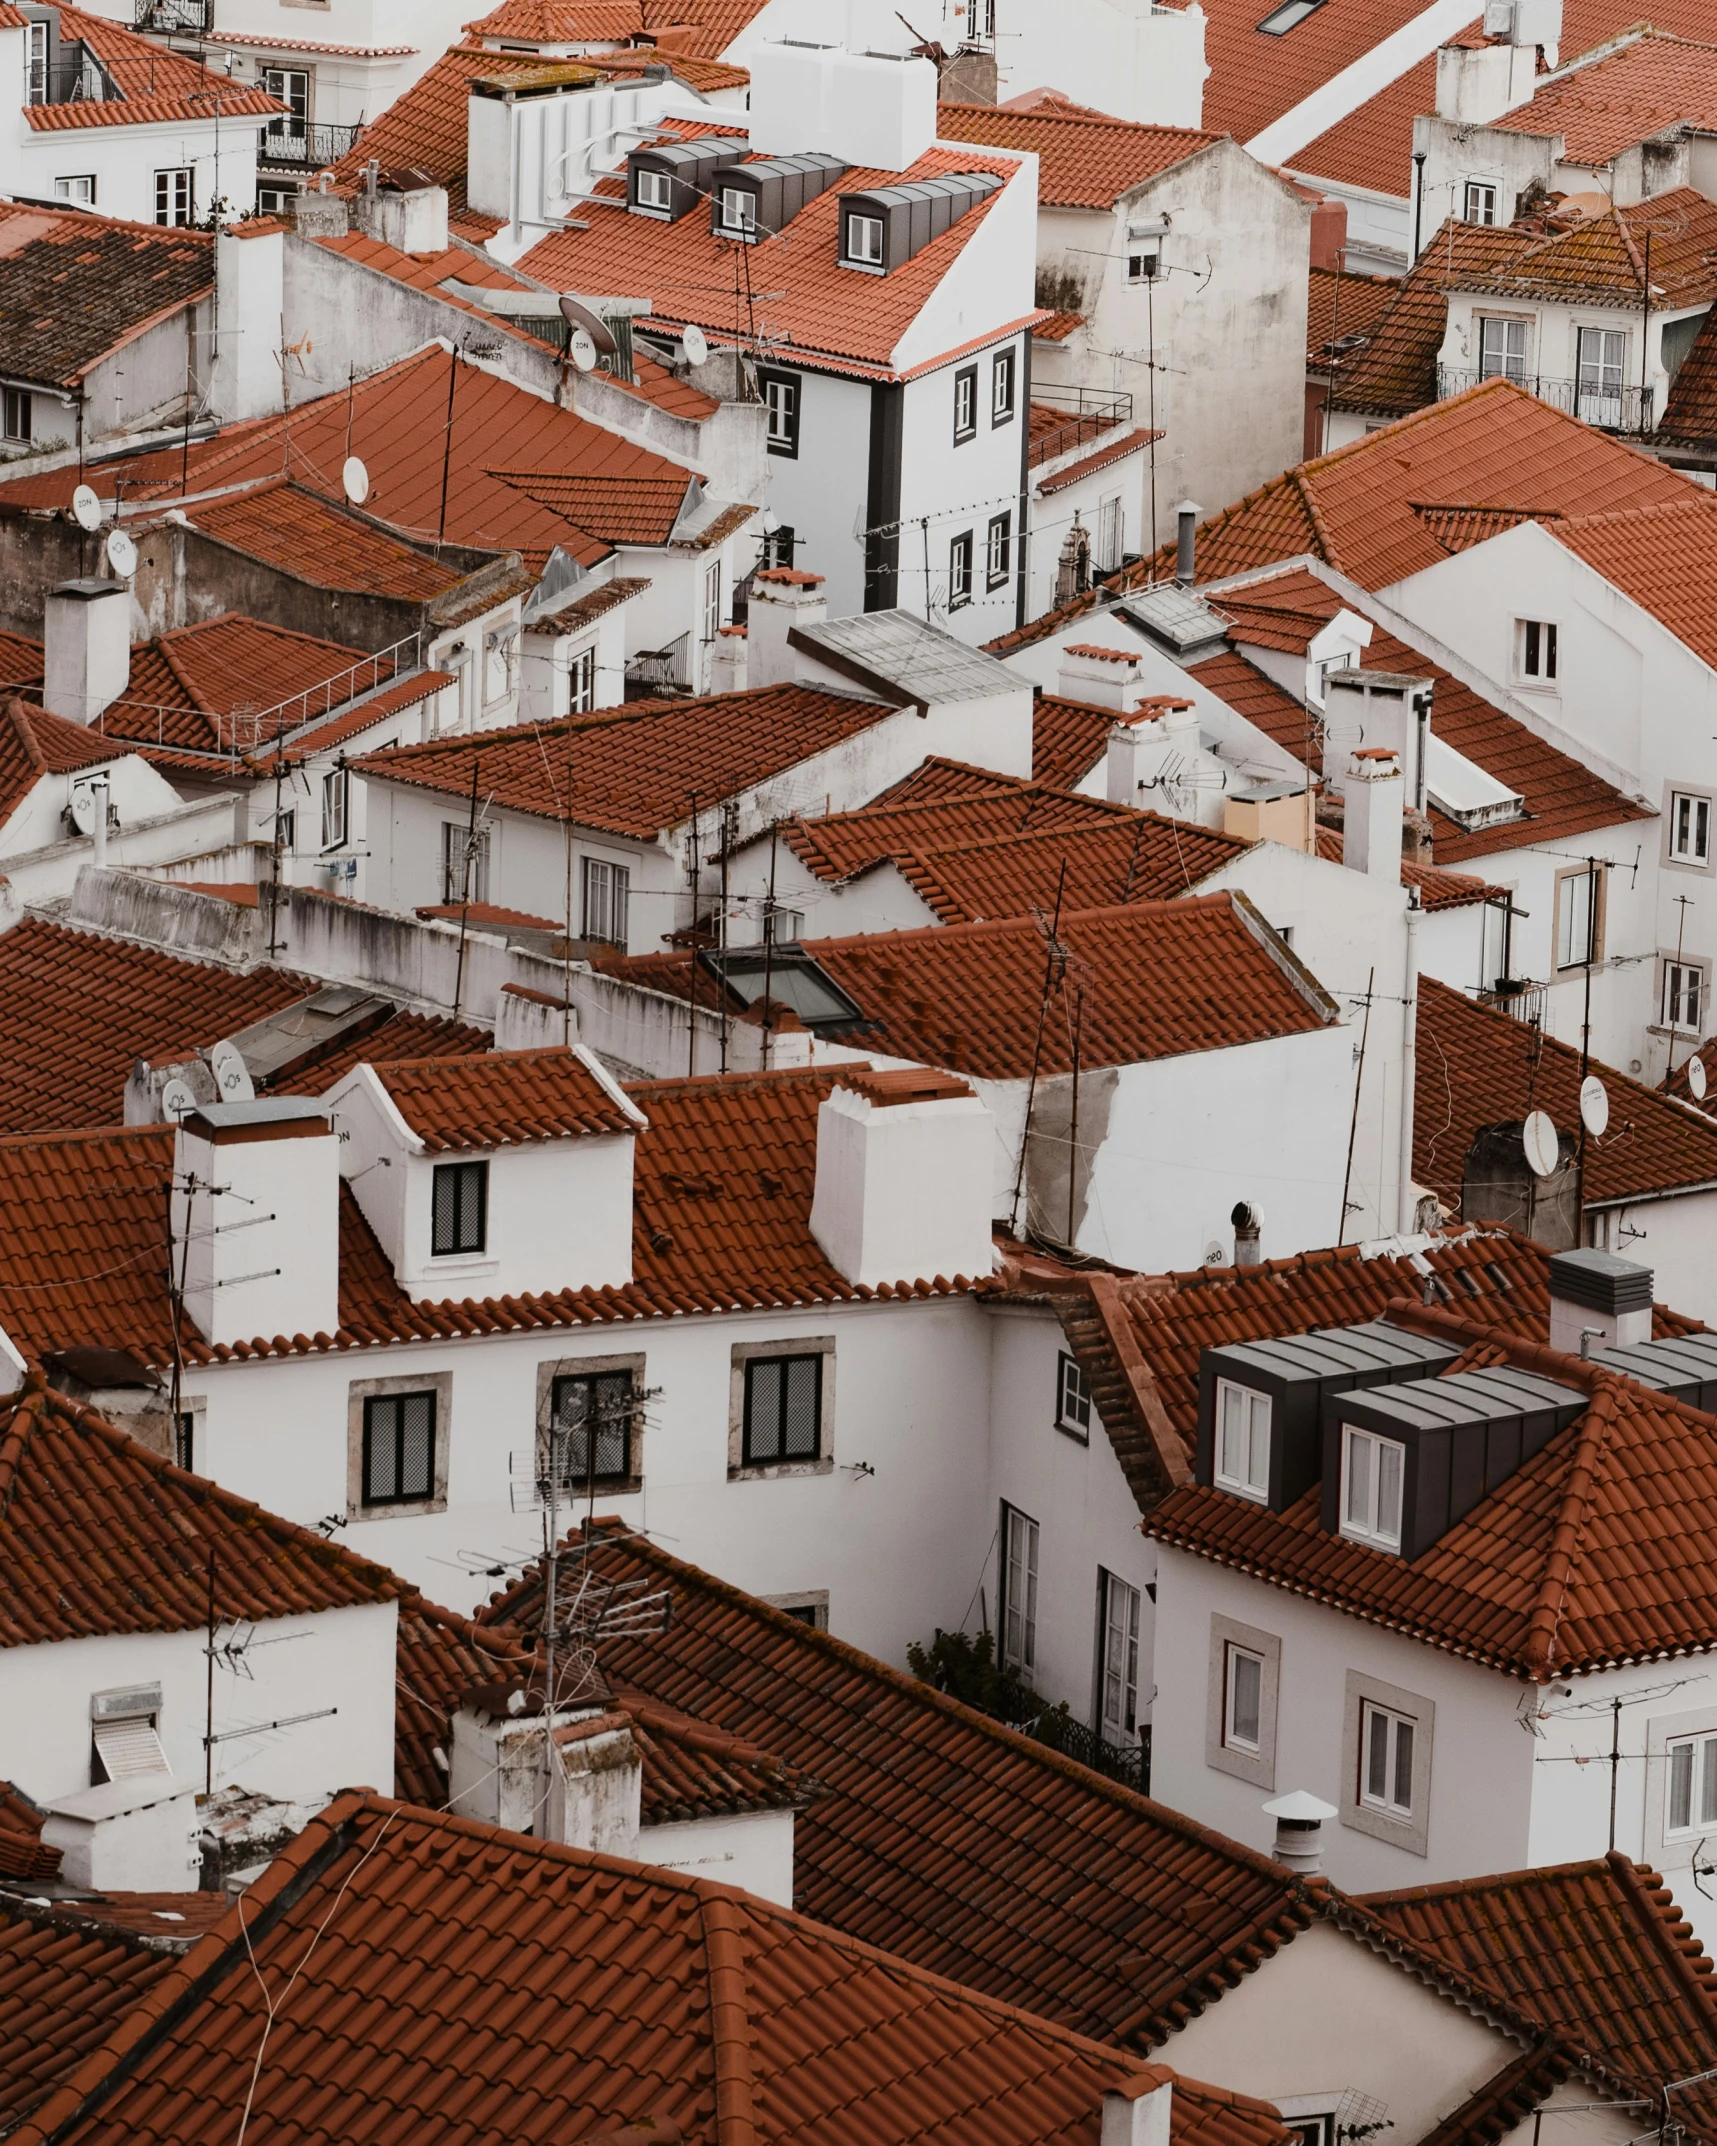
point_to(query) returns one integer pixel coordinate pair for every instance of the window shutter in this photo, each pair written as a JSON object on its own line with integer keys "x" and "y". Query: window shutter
{"x": 130, "y": 1750}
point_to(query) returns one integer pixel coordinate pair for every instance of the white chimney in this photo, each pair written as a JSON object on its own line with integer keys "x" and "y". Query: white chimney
{"x": 1371, "y": 827}
{"x": 875, "y": 111}
{"x": 782, "y": 597}
{"x": 1389, "y": 708}
{"x": 256, "y": 1219}
{"x": 905, "y": 1163}
{"x": 1299, "y": 1829}
{"x": 1598, "y": 1301}
{"x": 250, "y": 301}
{"x": 138, "y": 1835}
{"x": 729, "y": 660}
{"x": 1138, "y": 2112}
{"x": 86, "y": 630}
{"x": 595, "y": 1785}
{"x": 1101, "y": 677}
{"x": 1156, "y": 761}
{"x": 411, "y": 220}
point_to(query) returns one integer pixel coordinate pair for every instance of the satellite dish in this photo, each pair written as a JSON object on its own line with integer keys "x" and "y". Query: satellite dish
{"x": 579, "y": 316}
{"x": 86, "y": 508}
{"x": 83, "y": 808}
{"x": 121, "y": 554}
{"x": 1696, "y": 1078}
{"x": 233, "y": 1083}
{"x": 1594, "y": 1106}
{"x": 695, "y": 344}
{"x": 178, "y": 1099}
{"x": 355, "y": 480}
{"x": 1543, "y": 1149}
{"x": 582, "y": 350}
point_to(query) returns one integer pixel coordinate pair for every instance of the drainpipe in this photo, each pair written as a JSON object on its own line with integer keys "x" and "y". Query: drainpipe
{"x": 1409, "y": 1044}
{"x": 98, "y": 832}
{"x": 1418, "y": 198}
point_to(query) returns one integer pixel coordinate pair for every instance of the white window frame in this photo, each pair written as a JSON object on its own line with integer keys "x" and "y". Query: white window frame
{"x": 581, "y": 680}
{"x": 1600, "y": 374}
{"x": 1387, "y": 1742}
{"x": 654, "y": 190}
{"x": 781, "y": 407}
{"x": 960, "y": 569}
{"x": 738, "y": 212}
{"x": 175, "y": 197}
{"x": 1074, "y": 1408}
{"x": 1507, "y": 360}
{"x": 1580, "y": 897}
{"x": 1120, "y": 1614}
{"x": 1111, "y": 532}
{"x": 965, "y": 404}
{"x": 712, "y": 600}
{"x": 1003, "y": 373}
{"x": 76, "y": 186}
{"x": 1252, "y": 1479}
{"x": 294, "y": 93}
{"x": 1690, "y": 1764}
{"x": 17, "y": 414}
{"x": 1482, "y": 194}
{"x": 460, "y": 853}
{"x": 863, "y": 240}
{"x": 1242, "y": 1673}
{"x": 1684, "y": 988}
{"x": 1409, "y": 1830}
{"x": 36, "y": 63}
{"x": 605, "y": 890}
{"x": 1020, "y": 1545}
{"x": 1255, "y": 1763}
{"x": 1689, "y": 829}
{"x": 998, "y": 552}
{"x": 336, "y": 807}
{"x": 1537, "y": 651}
{"x": 1372, "y": 1524}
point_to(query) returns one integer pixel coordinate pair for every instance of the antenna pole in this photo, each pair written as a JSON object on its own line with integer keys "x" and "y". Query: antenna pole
{"x": 209, "y": 1697}
{"x": 566, "y": 950}
{"x": 1585, "y": 1068}
{"x": 727, "y": 817}
{"x": 465, "y": 887}
{"x": 1049, "y": 973}
{"x": 447, "y": 447}
{"x": 769, "y": 945}
{"x": 1073, "y": 1126}
{"x": 692, "y": 979}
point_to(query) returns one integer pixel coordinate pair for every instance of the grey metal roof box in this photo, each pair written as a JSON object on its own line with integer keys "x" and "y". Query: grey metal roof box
{"x": 1174, "y": 617}
{"x": 777, "y": 188}
{"x": 911, "y": 215}
{"x": 1464, "y": 1436}
{"x": 1684, "y": 1366}
{"x": 1297, "y": 1371}
{"x": 905, "y": 659}
{"x": 1600, "y": 1281}
{"x": 688, "y": 169}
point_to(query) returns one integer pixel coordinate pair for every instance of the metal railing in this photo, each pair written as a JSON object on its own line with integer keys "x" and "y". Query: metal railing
{"x": 655, "y": 671}
{"x": 1091, "y": 412}
{"x": 1129, "y": 1763}
{"x": 304, "y": 144}
{"x": 1609, "y": 409}
{"x": 174, "y": 18}
{"x": 1519, "y": 1000}
{"x": 75, "y": 77}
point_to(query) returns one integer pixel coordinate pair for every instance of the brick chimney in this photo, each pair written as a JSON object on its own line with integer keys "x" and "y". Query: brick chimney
{"x": 86, "y": 631}
{"x": 782, "y": 597}
{"x": 905, "y": 1168}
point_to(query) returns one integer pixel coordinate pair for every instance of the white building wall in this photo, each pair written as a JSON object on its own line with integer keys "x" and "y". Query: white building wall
{"x": 750, "y": 1849}
{"x": 821, "y": 492}
{"x": 125, "y": 159}
{"x": 1674, "y": 1238}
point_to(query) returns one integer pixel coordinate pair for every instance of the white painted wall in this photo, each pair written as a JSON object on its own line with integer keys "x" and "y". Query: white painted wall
{"x": 1674, "y": 1238}
{"x": 750, "y": 1849}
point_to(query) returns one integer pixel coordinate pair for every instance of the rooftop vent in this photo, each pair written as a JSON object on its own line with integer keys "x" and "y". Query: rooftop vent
{"x": 1597, "y": 1298}
{"x": 667, "y": 180}
{"x": 1260, "y": 1403}
{"x": 1299, "y": 1829}
{"x": 1175, "y": 619}
{"x": 753, "y": 201}
{"x": 881, "y": 231}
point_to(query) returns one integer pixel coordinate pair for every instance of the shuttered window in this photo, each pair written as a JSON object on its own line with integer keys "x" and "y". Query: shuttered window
{"x": 459, "y": 1220}
{"x": 783, "y": 1408}
{"x": 399, "y": 1448}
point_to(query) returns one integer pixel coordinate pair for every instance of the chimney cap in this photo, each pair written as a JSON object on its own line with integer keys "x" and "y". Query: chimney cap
{"x": 87, "y": 588}
{"x": 1188, "y": 506}
{"x": 1600, "y": 1281}
{"x": 788, "y": 577}
{"x": 1091, "y": 650}
{"x": 1299, "y": 1807}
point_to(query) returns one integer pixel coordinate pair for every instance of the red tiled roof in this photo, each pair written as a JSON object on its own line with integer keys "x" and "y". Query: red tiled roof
{"x": 34, "y": 743}
{"x": 22, "y": 1851}
{"x": 1437, "y": 889}
{"x": 639, "y": 769}
{"x": 1478, "y": 1067}
{"x": 487, "y": 916}
{"x": 1068, "y": 738}
{"x": 21, "y": 659}
{"x": 643, "y": 1998}
{"x": 1057, "y": 327}
{"x": 1085, "y": 160}
{"x": 99, "y": 1536}
{"x": 1601, "y": 261}
{"x": 321, "y": 542}
{"x": 1343, "y": 305}
{"x": 1652, "y": 84}
{"x": 688, "y": 30}
{"x": 62, "y": 1991}
{"x": 154, "y": 84}
{"x": 940, "y": 814}
{"x": 1255, "y": 78}
{"x": 374, "y": 708}
{"x": 640, "y": 509}
{"x": 78, "y": 285}
{"x": 502, "y": 1099}
{"x": 1662, "y": 558}
{"x": 1130, "y": 443}
{"x": 1143, "y": 857}
{"x": 1690, "y": 414}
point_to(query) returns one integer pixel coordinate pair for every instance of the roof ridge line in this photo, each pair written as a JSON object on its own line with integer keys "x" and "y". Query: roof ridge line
{"x": 1545, "y": 1620}
{"x": 1656, "y": 1921}
{"x": 730, "y": 2022}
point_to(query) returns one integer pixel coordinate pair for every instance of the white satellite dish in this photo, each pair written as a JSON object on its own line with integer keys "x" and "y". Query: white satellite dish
{"x": 178, "y": 1099}
{"x": 1696, "y": 1079}
{"x": 86, "y": 508}
{"x": 121, "y": 554}
{"x": 83, "y": 808}
{"x": 1594, "y": 1106}
{"x": 233, "y": 1083}
{"x": 355, "y": 480}
{"x": 1543, "y": 1149}
{"x": 581, "y": 348}
{"x": 695, "y": 344}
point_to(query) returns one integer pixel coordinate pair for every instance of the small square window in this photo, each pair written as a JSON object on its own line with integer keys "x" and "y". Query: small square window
{"x": 1073, "y": 1397}
{"x": 79, "y": 187}
{"x": 459, "y": 1220}
{"x": 399, "y": 1448}
{"x": 1386, "y": 1741}
{"x": 780, "y": 393}
{"x": 739, "y": 212}
{"x": 1373, "y": 1470}
{"x": 965, "y": 404}
{"x": 1242, "y": 1700}
{"x": 1002, "y": 388}
{"x": 185, "y": 1440}
{"x": 960, "y": 572}
{"x": 864, "y": 241}
{"x": 1479, "y": 202}
{"x": 173, "y": 199}
{"x": 1288, "y": 16}
{"x": 1535, "y": 653}
{"x": 783, "y": 1409}
{"x": 652, "y": 190}
{"x": 1689, "y": 828}
{"x": 1242, "y": 1440}
{"x": 1690, "y": 1804}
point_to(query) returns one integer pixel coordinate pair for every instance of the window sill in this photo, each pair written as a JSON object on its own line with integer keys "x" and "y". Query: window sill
{"x": 405, "y": 1509}
{"x": 780, "y": 447}
{"x": 1548, "y": 687}
{"x": 1383, "y": 1549}
{"x": 1072, "y": 1430}
{"x": 629, "y": 1486}
{"x": 459, "y": 1267}
{"x": 767, "y": 1471}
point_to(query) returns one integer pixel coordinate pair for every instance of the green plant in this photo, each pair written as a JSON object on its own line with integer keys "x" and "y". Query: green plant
{"x": 965, "y": 1667}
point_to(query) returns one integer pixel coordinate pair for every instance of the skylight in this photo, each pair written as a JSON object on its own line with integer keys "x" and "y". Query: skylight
{"x": 1288, "y": 16}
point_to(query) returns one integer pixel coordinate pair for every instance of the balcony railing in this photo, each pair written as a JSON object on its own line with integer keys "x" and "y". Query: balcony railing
{"x": 174, "y": 18}
{"x": 1089, "y": 414}
{"x": 303, "y": 144}
{"x": 1520, "y": 1000}
{"x": 1610, "y": 409}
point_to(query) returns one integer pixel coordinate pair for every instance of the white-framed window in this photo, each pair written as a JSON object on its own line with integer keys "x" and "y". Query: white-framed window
{"x": 783, "y": 926}
{"x": 77, "y": 186}
{"x": 1002, "y": 374}
{"x": 1118, "y": 1661}
{"x": 1111, "y": 532}
{"x": 1072, "y": 1397}
{"x": 739, "y": 211}
{"x": 581, "y": 681}
{"x": 965, "y": 403}
{"x": 464, "y": 862}
{"x": 36, "y": 65}
{"x": 1690, "y": 1786}
{"x": 292, "y": 86}
{"x": 335, "y": 793}
{"x": 864, "y": 241}
{"x": 1478, "y": 202}
{"x": 1373, "y": 1471}
{"x": 1682, "y": 1007}
{"x": 1502, "y": 349}
{"x": 1579, "y": 917}
{"x": 607, "y": 895}
{"x": 1535, "y": 650}
{"x": 1242, "y": 1440}
{"x": 653, "y": 190}
{"x": 1689, "y": 828}
{"x": 998, "y": 551}
{"x": 174, "y": 202}
{"x": 1019, "y": 1588}
{"x": 1242, "y": 1699}
{"x": 1386, "y": 1741}
{"x": 17, "y": 405}
{"x": 781, "y": 412}
{"x": 1600, "y": 368}
{"x": 712, "y": 600}
{"x": 960, "y": 571}
{"x": 275, "y": 200}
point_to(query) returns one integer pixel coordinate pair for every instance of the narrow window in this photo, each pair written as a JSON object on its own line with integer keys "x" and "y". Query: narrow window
{"x": 960, "y": 571}
{"x": 581, "y": 682}
{"x": 1002, "y": 388}
{"x": 1242, "y": 1440}
{"x": 607, "y": 891}
{"x": 1372, "y": 1472}
{"x": 864, "y": 241}
{"x": 1502, "y": 349}
{"x": 1386, "y": 1759}
{"x": 36, "y": 65}
{"x": 1683, "y": 995}
{"x": 399, "y": 1448}
{"x": 1579, "y": 918}
{"x": 459, "y": 1203}
{"x": 464, "y": 862}
{"x": 998, "y": 552}
{"x": 292, "y": 86}
{"x": 965, "y": 404}
{"x": 334, "y": 795}
{"x": 1692, "y": 1800}
{"x": 173, "y": 204}
{"x": 17, "y": 413}
{"x": 781, "y": 413}
{"x": 712, "y": 600}
{"x": 1019, "y": 1589}
{"x": 1073, "y": 1397}
{"x": 1480, "y": 202}
{"x": 651, "y": 190}
{"x": 1111, "y": 533}
{"x": 1242, "y": 1699}
{"x": 1601, "y": 364}
{"x": 1120, "y": 1657}
{"x": 286, "y": 828}
{"x": 783, "y": 1409}
{"x": 739, "y": 211}
{"x": 1689, "y": 828}
{"x": 592, "y": 1426}
{"x": 79, "y": 187}
{"x": 1537, "y": 649}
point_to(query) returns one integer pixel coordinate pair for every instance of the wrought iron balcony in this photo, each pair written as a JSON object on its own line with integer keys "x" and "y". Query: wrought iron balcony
{"x": 302, "y": 144}
{"x": 1609, "y": 409}
{"x": 174, "y": 18}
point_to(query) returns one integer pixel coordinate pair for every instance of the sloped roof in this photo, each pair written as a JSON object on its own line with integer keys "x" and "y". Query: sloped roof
{"x": 1479, "y": 1067}
{"x": 502, "y": 1099}
{"x": 62, "y": 1991}
{"x": 1085, "y": 160}
{"x": 1653, "y": 83}
{"x": 1255, "y": 78}
{"x": 220, "y": 685}
{"x": 1664, "y": 558}
{"x": 1690, "y": 414}
{"x": 34, "y": 743}
{"x": 322, "y": 542}
{"x": 641, "y": 768}
{"x": 1343, "y": 304}
{"x": 1143, "y": 858}
{"x": 840, "y": 844}
{"x": 23, "y": 1853}
{"x": 643, "y": 1997}
{"x": 154, "y": 84}
{"x": 1601, "y": 261}
{"x": 100, "y": 1536}
{"x": 1068, "y": 738}
{"x": 1397, "y": 369}
{"x": 689, "y": 29}
{"x": 78, "y": 285}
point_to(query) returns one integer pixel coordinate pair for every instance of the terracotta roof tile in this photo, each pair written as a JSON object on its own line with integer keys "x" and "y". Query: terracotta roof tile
{"x": 640, "y": 769}
{"x": 688, "y": 29}
{"x": 1068, "y": 738}
{"x": 77, "y": 285}
{"x": 153, "y": 84}
{"x": 1255, "y": 78}
{"x": 1652, "y": 84}
{"x": 1396, "y": 371}
{"x": 1057, "y": 327}
{"x": 22, "y": 1851}
{"x": 503, "y": 1098}
{"x": 1130, "y": 443}
{"x": 1343, "y": 305}
{"x": 62, "y": 1991}
{"x": 1690, "y": 414}
{"x": 487, "y": 916}
{"x": 1085, "y": 160}
{"x": 373, "y": 708}
{"x": 321, "y": 542}
{"x": 34, "y": 743}
{"x": 841, "y": 844}
{"x": 1144, "y": 857}
{"x": 1662, "y": 558}
{"x": 1602, "y": 261}
{"x": 21, "y": 660}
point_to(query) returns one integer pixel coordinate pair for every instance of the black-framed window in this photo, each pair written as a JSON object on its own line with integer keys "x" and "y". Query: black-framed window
{"x": 459, "y": 1203}
{"x": 591, "y": 1415}
{"x": 965, "y": 404}
{"x": 783, "y": 1408}
{"x": 1072, "y": 1397}
{"x": 399, "y": 1448}
{"x": 1002, "y": 376}
{"x": 780, "y": 392}
{"x": 999, "y": 551}
{"x": 18, "y": 406}
{"x": 185, "y": 1438}
{"x": 960, "y": 571}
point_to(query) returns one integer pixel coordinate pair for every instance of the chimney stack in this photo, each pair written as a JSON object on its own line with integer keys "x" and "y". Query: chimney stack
{"x": 1100, "y": 677}
{"x": 256, "y": 1219}
{"x": 728, "y": 660}
{"x": 86, "y": 630}
{"x": 1299, "y": 1830}
{"x": 782, "y": 598}
{"x": 1137, "y": 2112}
{"x": 595, "y": 1783}
{"x": 904, "y": 1178}
{"x": 1372, "y": 809}
{"x": 1597, "y": 1302}
{"x": 1186, "y": 542}
{"x": 1248, "y": 1224}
